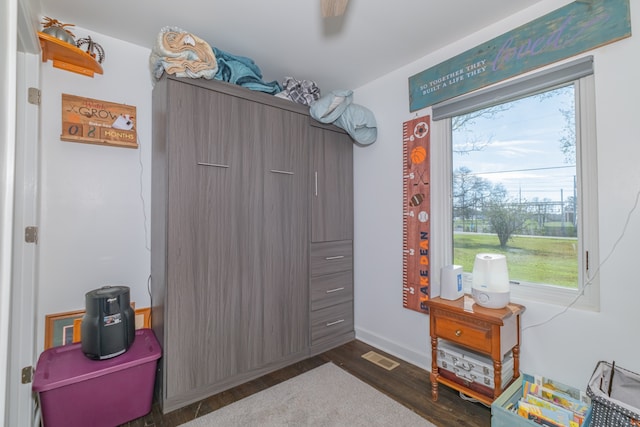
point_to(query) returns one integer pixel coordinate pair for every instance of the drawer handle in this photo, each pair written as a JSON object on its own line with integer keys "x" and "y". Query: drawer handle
{"x": 214, "y": 165}
{"x": 458, "y": 332}
{"x": 330, "y": 291}
{"x": 334, "y": 323}
{"x": 281, "y": 172}
{"x": 331, "y": 258}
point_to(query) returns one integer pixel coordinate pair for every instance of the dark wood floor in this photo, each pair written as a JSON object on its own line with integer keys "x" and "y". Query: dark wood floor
{"x": 406, "y": 384}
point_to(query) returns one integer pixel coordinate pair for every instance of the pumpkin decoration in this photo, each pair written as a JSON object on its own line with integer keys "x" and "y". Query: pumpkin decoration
{"x": 57, "y": 29}
{"x": 93, "y": 48}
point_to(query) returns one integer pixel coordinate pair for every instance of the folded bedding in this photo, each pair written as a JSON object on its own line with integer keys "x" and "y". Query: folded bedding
{"x": 338, "y": 108}
{"x": 304, "y": 92}
{"x": 328, "y": 108}
{"x": 360, "y": 124}
{"x": 242, "y": 71}
{"x": 183, "y": 54}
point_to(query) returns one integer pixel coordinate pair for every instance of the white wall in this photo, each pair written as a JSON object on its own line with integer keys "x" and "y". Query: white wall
{"x": 568, "y": 347}
{"x": 93, "y": 230}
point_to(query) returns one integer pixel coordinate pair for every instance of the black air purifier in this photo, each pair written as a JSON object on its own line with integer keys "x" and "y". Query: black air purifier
{"x": 108, "y": 325}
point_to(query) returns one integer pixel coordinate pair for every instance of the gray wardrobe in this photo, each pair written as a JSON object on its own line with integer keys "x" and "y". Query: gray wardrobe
{"x": 251, "y": 236}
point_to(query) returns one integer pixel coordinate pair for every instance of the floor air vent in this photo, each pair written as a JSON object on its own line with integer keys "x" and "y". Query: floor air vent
{"x": 380, "y": 360}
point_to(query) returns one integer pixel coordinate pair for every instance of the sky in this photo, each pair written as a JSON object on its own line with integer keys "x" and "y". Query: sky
{"x": 522, "y": 148}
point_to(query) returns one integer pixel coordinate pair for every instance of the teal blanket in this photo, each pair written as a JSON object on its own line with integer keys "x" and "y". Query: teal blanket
{"x": 242, "y": 71}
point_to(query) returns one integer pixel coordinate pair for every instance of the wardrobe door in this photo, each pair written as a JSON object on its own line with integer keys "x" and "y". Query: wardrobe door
{"x": 284, "y": 224}
{"x": 332, "y": 189}
{"x": 249, "y": 216}
{"x": 205, "y": 240}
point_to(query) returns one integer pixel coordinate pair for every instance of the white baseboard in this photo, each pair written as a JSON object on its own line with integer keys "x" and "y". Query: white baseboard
{"x": 415, "y": 357}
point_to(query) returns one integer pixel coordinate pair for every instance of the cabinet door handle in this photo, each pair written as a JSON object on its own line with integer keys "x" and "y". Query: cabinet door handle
{"x": 316, "y": 184}
{"x": 334, "y": 323}
{"x": 330, "y": 291}
{"x": 281, "y": 172}
{"x": 331, "y": 258}
{"x": 214, "y": 165}
{"x": 458, "y": 332}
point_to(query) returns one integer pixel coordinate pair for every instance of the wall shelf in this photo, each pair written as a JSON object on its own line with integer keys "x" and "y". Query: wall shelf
{"x": 67, "y": 56}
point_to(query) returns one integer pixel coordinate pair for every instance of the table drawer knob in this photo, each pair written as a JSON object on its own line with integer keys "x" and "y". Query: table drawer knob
{"x": 458, "y": 332}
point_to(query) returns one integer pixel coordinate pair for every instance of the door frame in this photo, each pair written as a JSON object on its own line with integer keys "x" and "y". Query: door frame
{"x": 25, "y": 255}
{"x": 22, "y": 320}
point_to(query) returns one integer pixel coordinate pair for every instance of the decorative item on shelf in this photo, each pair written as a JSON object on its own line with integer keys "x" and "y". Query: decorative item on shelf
{"x": 67, "y": 56}
{"x": 490, "y": 286}
{"x": 93, "y": 48}
{"x": 57, "y": 29}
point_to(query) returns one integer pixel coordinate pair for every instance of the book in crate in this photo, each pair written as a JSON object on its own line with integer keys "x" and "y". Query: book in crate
{"x": 537, "y": 400}
{"x": 553, "y": 402}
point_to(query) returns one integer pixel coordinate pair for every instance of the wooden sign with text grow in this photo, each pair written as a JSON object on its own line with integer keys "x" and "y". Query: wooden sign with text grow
{"x": 98, "y": 122}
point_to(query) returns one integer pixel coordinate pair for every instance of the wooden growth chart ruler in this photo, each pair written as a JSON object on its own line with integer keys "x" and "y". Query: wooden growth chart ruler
{"x": 417, "y": 203}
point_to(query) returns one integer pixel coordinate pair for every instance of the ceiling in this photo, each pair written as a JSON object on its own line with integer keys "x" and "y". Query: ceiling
{"x": 290, "y": 37}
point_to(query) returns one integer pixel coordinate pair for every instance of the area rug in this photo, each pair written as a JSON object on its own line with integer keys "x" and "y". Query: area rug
{"x": 326, "y": 396}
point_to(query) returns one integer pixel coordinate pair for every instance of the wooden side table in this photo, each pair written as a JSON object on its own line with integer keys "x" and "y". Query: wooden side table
{"x": 493, "y": 332}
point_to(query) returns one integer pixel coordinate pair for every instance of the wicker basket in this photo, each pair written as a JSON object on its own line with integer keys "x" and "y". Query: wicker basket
{"x": 615, "y": 396}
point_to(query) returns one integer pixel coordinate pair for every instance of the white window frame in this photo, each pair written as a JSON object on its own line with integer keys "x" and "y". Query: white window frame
{"x": 587, "y": 296}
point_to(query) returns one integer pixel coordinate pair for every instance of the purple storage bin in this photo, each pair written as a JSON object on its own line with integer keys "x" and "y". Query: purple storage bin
{"x": 77, "y": 391}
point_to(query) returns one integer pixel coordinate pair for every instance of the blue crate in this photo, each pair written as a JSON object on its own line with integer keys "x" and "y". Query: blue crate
{"x": 501, "y": 416}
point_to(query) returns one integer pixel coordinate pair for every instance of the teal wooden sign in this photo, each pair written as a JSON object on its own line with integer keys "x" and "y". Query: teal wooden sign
{"x": 575, "y": 28}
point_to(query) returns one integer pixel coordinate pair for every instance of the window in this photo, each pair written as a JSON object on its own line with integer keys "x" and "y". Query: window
{"x": 516, "y": 174}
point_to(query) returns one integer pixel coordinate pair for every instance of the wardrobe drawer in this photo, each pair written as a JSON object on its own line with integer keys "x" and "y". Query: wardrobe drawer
{"x": 331, "y": 257}
{"x": 331, "y": 289}
{"x": 331, "y": 322}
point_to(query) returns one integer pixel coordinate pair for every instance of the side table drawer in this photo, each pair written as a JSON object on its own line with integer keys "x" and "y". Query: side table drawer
{"x": 331, "y": 257}
{"x": 331, "y": 289}
{"x": 331, "y": 322}
{"x": 471, "y": 335}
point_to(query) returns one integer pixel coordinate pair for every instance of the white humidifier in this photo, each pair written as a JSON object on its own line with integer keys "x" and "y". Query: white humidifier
{"x": 490, "y": 286}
